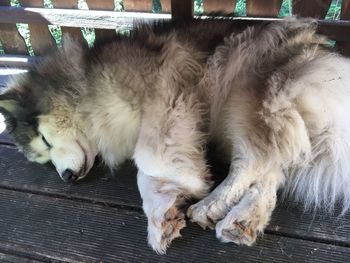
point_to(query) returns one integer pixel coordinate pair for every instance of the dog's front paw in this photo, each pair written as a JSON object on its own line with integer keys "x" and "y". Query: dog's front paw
{"x": 248, "y": 218}
{"x": 206, "y": 212}
{"x": 162, "y": 232}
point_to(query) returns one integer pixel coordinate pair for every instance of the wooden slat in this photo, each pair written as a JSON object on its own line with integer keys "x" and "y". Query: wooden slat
{"x": 40, "y": 36}
{"x": 267, "y": 8}
{"x": 138, "y": 5}
{"x": 121, "y": 190}
{"x": 76, "y": 18}
{"x": 7, "y": 258}
{"x": 344, "y": 47}
{"x": 101, "y": 34}
{"x": 69, "y": 231}
{"x": 311, "y": 8}
{"x": 225, "y": 6}
{"x": 11, "y": 39}
{"x": 166, "y": 6}
{"x": 182, "y": 9}
{"x": 72, "y": 31}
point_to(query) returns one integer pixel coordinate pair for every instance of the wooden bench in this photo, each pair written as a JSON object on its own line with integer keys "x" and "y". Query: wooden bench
{"x": 100, "y": 220}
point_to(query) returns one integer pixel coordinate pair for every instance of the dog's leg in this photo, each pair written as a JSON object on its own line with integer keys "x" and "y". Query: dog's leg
{"x": 241, "y": 206}
{"x": 171, "y": 163}
{"x": 251, "y": 214}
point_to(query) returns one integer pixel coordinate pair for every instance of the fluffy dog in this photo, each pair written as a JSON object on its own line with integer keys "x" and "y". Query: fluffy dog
{"x": 273, "y": 97}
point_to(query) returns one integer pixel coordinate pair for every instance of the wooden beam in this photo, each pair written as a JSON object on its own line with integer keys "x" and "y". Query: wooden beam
{"x": 76, "y": 18}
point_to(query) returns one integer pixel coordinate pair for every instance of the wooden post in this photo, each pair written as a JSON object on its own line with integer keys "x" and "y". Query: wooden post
{"x": 182, "y": 9}
{"x": 10, "y": 38}
{"x": 344, "y": 47}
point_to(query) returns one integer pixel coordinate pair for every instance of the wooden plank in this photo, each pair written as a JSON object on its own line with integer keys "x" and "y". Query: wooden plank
{"x": 225, "y": 6}
{"x": 7, "y": 258}
{"x": 71, "y": 231}
{"x": 17, "y": 61}
{"x": 101, "y": 34}
{"x": 10, "y": 38}
{"x": 138, "y": 5}
{"x": 336, "y": 30}
{"x": 182, "y": 9}
{"x": 166, "y": 6}
{"x": 267, "y": 8}
{"x": 344, "y": 47}
{"x": 76, "y": 18}
{"x": 121, "y": 190}
{"x": 72, "y": 31}
{"x": 311, "y": 8}
{"x": 40, "y": 36}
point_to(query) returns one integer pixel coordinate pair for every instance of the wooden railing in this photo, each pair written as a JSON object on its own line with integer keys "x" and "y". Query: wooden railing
{"x": 105, "y": 20}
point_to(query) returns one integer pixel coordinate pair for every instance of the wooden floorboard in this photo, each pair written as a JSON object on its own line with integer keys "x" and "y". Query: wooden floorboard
{"x": 118, "y": 191}
{"x": 69, "y": 231}
{"x": 7, "y": 258}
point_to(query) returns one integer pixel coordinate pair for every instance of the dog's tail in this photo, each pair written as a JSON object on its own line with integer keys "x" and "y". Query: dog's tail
{"x": 325, "y": 182}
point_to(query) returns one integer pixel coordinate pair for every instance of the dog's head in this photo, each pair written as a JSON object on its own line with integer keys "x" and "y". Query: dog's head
{"x": 40, "y": 110}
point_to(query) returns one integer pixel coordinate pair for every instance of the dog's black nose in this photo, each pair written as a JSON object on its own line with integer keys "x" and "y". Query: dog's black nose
{"x": 68, "y": 176}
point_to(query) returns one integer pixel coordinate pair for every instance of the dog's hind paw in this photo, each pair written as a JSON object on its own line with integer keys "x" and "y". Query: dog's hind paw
{"x": 161, "y": 234}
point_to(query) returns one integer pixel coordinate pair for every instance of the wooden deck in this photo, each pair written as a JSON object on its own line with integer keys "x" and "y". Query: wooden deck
{"x": 100, "y": 220}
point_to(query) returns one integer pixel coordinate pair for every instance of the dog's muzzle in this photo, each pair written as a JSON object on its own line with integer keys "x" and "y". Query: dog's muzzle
{"x": 69, "y": 176}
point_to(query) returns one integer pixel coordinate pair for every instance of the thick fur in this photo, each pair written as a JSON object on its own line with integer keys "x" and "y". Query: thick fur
{"x": 274, "y": 98}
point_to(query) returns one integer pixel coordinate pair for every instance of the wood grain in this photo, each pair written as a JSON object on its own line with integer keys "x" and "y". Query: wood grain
{"x": 344, "y": 47}
{"x": 101, "y": 34}
{"x": 166, "y": 6}
{"x": 11, "y": 39}
{"x": 120, "y": 190}
{"x": 74, "y": 32}
{"x": 138, "y": 5}
{"x": 224, "y": 6}
{"x": 311, "y": 8}
{"x": 73, "y": 231}
{"x": 40, "y": 36}
{"x": 267, "y": 8}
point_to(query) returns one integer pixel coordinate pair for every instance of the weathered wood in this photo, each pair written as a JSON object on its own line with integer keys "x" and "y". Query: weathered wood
{"x": 40, "y": 37}
{"x": 10, "y": 38}
{"x": 344, "y": 47}
{"x": 166, "y": 6}
{"x": 267, "y": 8}
{"x": 336, "y": 30}
{"x": 71, "y": 31}
{"x": 311, "y": 8}
{"x": 76, "y": 18}
{"x": 182, "y": 9}
{"x": 138, "y": 5}
{"x": 7, "y": 258}
{"x": 17, "y": 61}
{"x": 226, "y": 6}
{"x": 101, "y": 34}
{"x": 70, "y": 231}
{"x": 121, "y": 190}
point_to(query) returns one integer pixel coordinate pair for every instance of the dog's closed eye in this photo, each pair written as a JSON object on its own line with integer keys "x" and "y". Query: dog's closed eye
{"x": 45, "y": 141}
